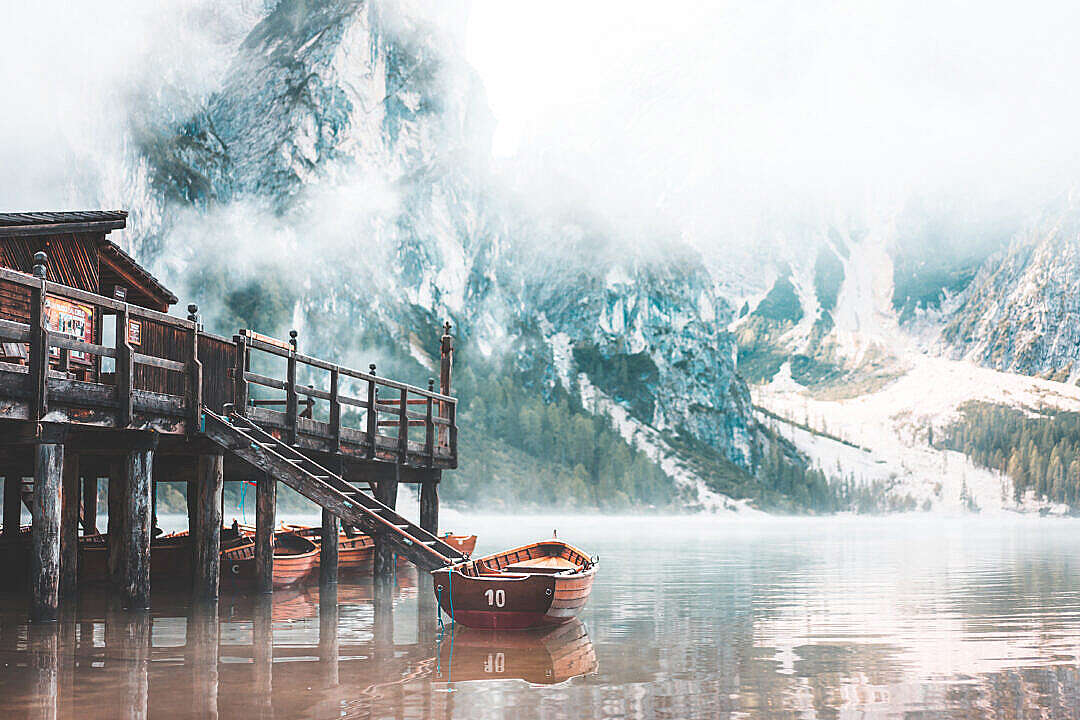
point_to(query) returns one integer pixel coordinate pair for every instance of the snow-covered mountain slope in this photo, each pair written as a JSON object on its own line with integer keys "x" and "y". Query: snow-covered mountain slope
{"x": 841, "y": 353}
{"x": 884, "y": 436}
{"x": 1022, "y": 311}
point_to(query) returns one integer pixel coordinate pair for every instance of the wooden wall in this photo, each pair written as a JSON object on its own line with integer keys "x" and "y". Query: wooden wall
{"x": 217, "y": 356}
{"x": 73, "y": 259}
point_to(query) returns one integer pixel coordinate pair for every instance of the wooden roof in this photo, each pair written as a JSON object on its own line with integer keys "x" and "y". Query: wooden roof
{"x": 117, "y": 264}
{"x": 125, "y": 265}
{"x": 51, "y": 223}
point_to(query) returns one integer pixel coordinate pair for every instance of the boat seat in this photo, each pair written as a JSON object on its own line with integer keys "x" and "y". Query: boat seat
{"x": 542, "y": 565}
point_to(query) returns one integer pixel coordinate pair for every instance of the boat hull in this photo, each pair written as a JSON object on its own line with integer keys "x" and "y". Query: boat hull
{"x": 506, "y": 602}
{"x": 238, "y": 565}
{"x": 170, "y": 560}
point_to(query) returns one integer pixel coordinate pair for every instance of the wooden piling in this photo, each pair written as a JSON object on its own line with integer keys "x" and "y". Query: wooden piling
{"x": 207, "y": 531}
{"x": 135, "y": 553}
{"x": 386, "y": 491}
{"x": 115, "y": 528}
{"x": 427, "y": 611}
{"x": 70, "y": 500}
{"x": 429, "y": 501}
{"x": 89, "y": 504}
{"x": 265, "y": 518}
{"x": 45, "y": 533}
{"x": 328, "y": 550}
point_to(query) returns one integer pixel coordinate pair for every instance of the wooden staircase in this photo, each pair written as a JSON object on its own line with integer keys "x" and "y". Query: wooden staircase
{"x": 249, "y": 442}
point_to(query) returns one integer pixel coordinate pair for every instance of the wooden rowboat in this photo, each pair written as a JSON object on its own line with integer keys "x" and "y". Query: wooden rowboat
{"x": 464, "y": 543}
{"x": 545, "y": 583}
{"x": 353, "y": 552}
{"x": 294, "y": 559}
{"x": 358, "y": 551}
{"x": 170, "y": 559}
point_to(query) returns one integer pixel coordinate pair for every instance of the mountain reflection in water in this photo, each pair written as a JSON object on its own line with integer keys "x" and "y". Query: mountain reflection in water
{"x": 689, "y": 618}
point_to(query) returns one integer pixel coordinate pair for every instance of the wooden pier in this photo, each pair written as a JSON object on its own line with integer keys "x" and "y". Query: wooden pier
{"x": 97, "y": 380}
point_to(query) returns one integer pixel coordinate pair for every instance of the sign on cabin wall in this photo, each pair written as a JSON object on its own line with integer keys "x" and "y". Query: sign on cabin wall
{"x": 134, "y": 332}
{"x": 72, "y": 319}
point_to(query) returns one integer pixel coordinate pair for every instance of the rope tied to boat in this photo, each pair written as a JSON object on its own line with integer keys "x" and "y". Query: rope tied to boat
{"x": 442, "y": 628}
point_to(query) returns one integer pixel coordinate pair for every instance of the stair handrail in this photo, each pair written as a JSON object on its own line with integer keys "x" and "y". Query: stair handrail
{"x": 350, "y": 495}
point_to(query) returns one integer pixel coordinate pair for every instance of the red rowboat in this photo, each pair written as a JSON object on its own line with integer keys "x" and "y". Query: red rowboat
{"x": 294, "y": 559}
{"x": 358, "y": 551}
{"x": 353, "y": 552}
{"x": 464, "y": 543}
{"x": 545, "y": 583}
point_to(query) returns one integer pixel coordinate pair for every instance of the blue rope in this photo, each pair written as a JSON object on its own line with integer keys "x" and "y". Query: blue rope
{"x": 242, "y": 507}
{"x": 450, "y": 592}
{"x": 442, "y": 632}
{"x": 450, "y": 659}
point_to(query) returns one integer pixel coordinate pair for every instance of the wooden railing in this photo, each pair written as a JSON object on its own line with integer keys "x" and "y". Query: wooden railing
{"x": 381, "y": 404}
{"x": 164, "y": 382}
{"x": 109, "y": 398}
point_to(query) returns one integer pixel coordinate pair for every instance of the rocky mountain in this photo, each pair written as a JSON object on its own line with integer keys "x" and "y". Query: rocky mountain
{"x": 338, "y": 179}
{"x": 1021, "y": 312}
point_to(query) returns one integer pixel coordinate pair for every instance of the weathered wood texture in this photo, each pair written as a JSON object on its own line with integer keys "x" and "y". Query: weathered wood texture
{"x": 328, "y": 549}
{"x": 135, "y": 553}
{"x": 216, "y": 355}
{"x": 207, "y": 531}
{"x": 265, "y": 518}
{"x": 429, "y": 502}
{"x": 45, "y": 533}
{"x": 89, "y": 504}
{"x": 70, "y": 500}
{"x": 386, "y": 492}
{"x": 267, "y": 454}
{"x": 115, "y": 528}
{"x": 165, "y": 369}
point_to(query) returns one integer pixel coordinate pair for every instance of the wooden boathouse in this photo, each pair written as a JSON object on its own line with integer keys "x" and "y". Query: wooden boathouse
{"x": 97, "y": 380}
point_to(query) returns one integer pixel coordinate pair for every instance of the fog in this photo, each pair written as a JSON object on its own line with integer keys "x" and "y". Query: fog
{"x": 708, "y": 120}
{"x": 714, "y": 116}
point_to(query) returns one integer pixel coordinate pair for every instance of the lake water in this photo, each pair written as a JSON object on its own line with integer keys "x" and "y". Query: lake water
{"x": 689, "y": 618}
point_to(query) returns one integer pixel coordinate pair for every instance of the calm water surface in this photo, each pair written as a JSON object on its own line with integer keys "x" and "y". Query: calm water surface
{"x": 689, "y": 618}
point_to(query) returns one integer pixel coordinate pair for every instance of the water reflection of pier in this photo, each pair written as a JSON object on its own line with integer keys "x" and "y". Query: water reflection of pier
{"x": 328, "y": 659}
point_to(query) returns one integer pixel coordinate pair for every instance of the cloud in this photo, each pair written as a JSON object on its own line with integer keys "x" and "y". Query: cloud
{"x": 102, "y": 72}
{"x": 711, "y": 115}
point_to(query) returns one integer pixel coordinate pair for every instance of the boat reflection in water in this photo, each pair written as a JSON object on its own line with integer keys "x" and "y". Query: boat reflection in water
{"x": 541, "y": 657}
{"x": 305, "y": 652}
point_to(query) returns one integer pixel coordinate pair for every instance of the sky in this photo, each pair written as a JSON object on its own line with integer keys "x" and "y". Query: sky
{"x": 700, "y": 116}
{"x": 671, "y": 107}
